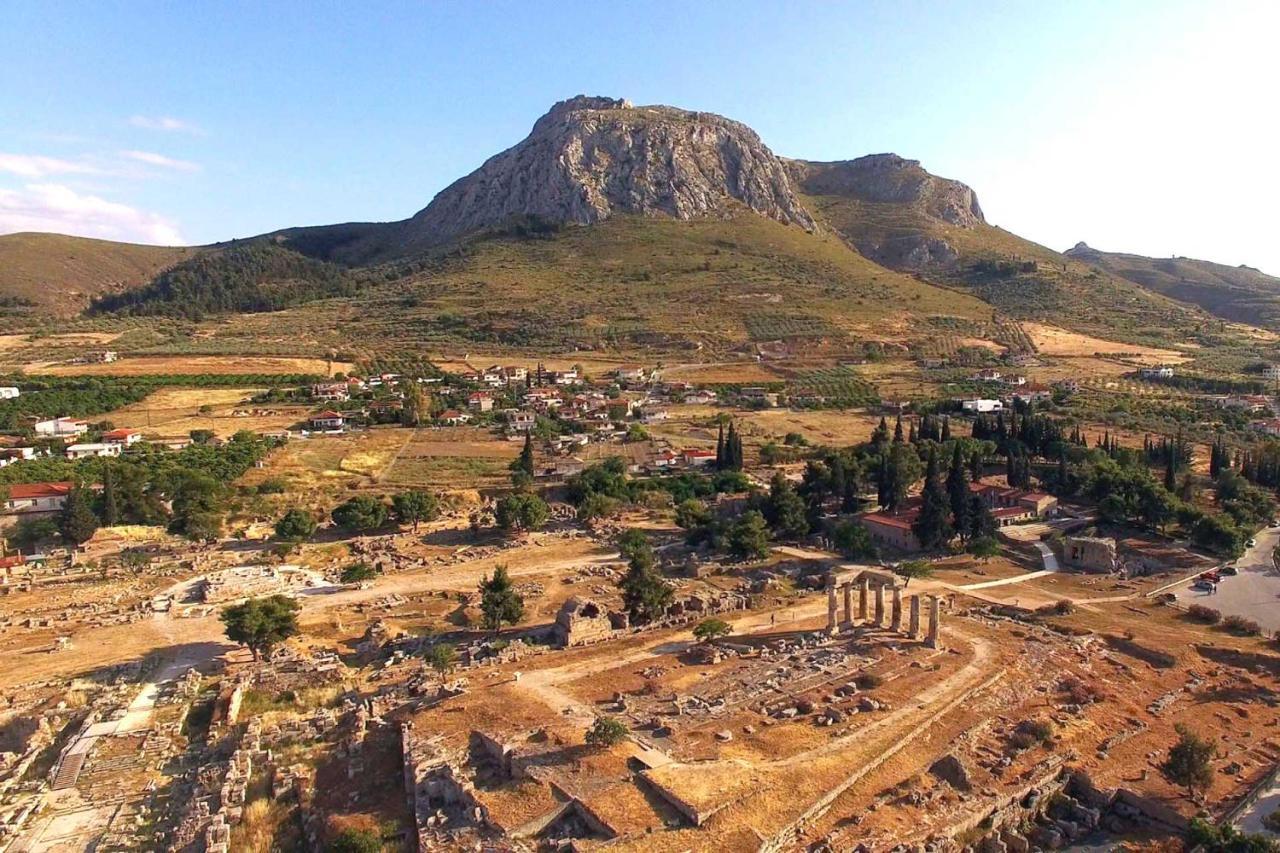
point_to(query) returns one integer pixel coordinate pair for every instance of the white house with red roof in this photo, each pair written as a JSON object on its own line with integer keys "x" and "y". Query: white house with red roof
{"x": 328, "y": 421}
{"x": 26, "y": 498}
{"x": 126, "y": 437}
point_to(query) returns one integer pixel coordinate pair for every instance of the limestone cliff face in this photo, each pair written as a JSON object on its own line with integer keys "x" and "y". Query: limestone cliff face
{"x": 589, "y": 158}
{"x": 890, "y": 178}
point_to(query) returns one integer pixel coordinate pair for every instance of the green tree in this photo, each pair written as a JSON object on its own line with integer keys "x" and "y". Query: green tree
{"x": 748, "y": 536}
{"x": 912, "y": 569}
{"x": 355, "y": 840}
{"x": 77, "y": 523}
{"x": 110, "y": 501}
{"x": 261, "y": 623}
{"x": 691, "y": 513}
{"x": 357, "y": 572}
{"x": 606, "y": 732}
{"x": 442, "y": 657}
{"x": 712, "y": 629}
{"x": 201, "y": 436}
{"x": 932, "y": 526}
{"x": 414, "y": 507}
{"x": 499, "y": 601}
{"x": 785, "y": 509}
{"x": 852, "y": 540}
{"x": 524, "y": 462}
{"x": 984, "y": 547}
{"x": 958, "y": 492}
{"x": 645, "y": 594}
{"x": 1190, "y": 762}
{"x": 416, "y": 408}
{"x": 522, "y": 511}
{"x": 296, "y": 525}
{"x": 198, "y": 497}
{"x": 360, "y": 513}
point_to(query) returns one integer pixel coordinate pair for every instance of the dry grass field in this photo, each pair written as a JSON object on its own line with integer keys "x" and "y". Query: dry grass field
{"x": 172, "y": 412}
{"x": 159, "y": 365}
{"x": 1053, "y": 341}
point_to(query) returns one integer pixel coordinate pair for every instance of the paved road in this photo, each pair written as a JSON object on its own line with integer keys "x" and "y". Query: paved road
{"x": 1254, "y": 593}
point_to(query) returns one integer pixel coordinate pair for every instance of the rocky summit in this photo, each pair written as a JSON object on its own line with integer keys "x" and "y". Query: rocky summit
{"x": 589, "y": 158}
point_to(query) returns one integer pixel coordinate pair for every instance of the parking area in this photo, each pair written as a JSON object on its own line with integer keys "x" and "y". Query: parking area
{"x": 1254, "y": 592}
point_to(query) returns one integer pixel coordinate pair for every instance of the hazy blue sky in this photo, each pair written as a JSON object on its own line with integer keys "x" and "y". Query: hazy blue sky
{"x": 1138, "y": 126}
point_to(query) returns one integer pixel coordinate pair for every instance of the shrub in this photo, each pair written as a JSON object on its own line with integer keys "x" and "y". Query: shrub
{"x": 712, "y": 629}
{"x": 1207, "y": 615}
{"x": 606, "y": 731}
{"x": 1242, "y": 627}
{"x": 1028, "y": 733}
{"x": 868, "y": 681}
{"x": 357, "y": 572}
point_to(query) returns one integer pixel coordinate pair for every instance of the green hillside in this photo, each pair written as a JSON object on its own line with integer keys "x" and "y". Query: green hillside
{"x": 1241, "y": 294}
{"x": 53, "y": 274}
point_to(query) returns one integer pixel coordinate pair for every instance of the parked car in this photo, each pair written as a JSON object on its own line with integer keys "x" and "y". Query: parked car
{"x": 1228, "y": 570}
{"x": 1207, "y": 586}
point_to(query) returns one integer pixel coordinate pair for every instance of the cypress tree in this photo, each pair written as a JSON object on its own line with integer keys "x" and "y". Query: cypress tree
{"x": 946, "y": 429}
{"x": 720, "y": 449}
{"x": 110, "y": 503}
{"x": 958, "y": 491}
{"x": 932, "y": 527}
{"x": 897, "y": 431}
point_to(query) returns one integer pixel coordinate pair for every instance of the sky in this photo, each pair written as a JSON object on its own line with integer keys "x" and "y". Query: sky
{"x": 1146, "y": 127}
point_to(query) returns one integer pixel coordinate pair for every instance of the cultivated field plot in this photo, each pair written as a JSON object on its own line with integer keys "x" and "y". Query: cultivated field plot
{"x": 186, "y": 365}
{"x": 726, "y": 372}
{"x": 454, "y": 458}
{"x": 1051, "y": 340}
{"x": 173, "y": 412}
{"x": 836, "y": 428}
{"x": 317, "y": 469}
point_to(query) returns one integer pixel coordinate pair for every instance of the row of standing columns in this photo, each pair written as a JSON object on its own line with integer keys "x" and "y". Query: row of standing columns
{"x": 865, "y": 590}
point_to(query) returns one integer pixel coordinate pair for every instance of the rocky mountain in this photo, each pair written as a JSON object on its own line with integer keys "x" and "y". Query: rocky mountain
{"x": 1241, "y": 294}
{"x": 890, "y": 208}
{"x": 587, "y": 159}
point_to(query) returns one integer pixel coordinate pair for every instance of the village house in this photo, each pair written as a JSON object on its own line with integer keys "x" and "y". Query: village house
{"x": 10, "y": 455}
{"x": 698, "y": 458}
{"x": 565, "y": 377}
{"x": 522, "y": 421}
{"x": 1270, "y": 426}
{"x": 1016, "y": 379}
{"x": 127, "y": 437}
{"x": 653, "y": 414}
{"x": 337, "y": 392}
{"x": 101, "y": 357}
{"x": 327, "y": 421}
{"x": 759, "y": 396}
{"x": 8, "y": 392}
{"x": 542, "y": 399}
{"x": 453, "y": 417}
{"x": 990, "y": 374}
{"x": 666, "y": 459}
{"x": 1162, "y": 371}
{"x": 498, "y": 376}
{"x": 1002, "y": 500}
{"x": 1029, "y": 394}
{"x": 981, "y": 406}
{"x": 97, "y": 448}
{"x": 893, "y": 529}
{"x": 61, "y": 427}
{"x": 701, "y": 397}
{"x": 1245, "y": 402}
{"x": 480, "y": 401}
{"x": 629, "y": 373}
{"x": 1271, "y": 373}
{"x": 26, "y": 498}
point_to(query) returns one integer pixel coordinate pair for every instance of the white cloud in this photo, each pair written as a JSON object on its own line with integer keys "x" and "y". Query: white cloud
{"x": 39, "y": 166}
{"x": 57, "y": 208}
{"x": 153, "y": 159}
{"x": 165, "y": 123}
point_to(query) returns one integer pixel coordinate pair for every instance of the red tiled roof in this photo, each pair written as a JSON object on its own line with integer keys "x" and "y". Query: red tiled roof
{"x": 120, "y": 433}
{"x": 327, "y": 415}
{"x": 30, "y": 491}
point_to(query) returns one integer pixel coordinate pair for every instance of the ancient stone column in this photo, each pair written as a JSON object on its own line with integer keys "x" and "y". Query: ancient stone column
{"x": 935, "y": 622}
{"x": 879, "y": 605}
{"x": 847, "y": 589}
{"x": 895, "y": 612}
{"x": 913, "y": 629}
{"x": 862, "y": 599}
{"x": 832, "y": 627}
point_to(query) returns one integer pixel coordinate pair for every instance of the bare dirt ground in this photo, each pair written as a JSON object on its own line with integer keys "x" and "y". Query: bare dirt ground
{"x": 172, "y": 412}
{"x": 1053, "y": 341}
{"x": 192, "y": 364}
